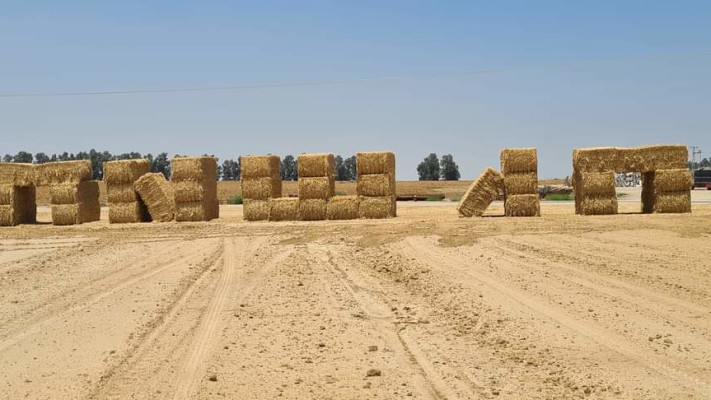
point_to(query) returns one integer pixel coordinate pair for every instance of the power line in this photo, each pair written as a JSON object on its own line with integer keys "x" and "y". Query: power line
{"x": 573, "y": 65}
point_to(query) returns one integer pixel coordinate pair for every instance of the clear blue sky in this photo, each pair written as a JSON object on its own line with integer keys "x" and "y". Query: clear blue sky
{"x": 573, "y": 74}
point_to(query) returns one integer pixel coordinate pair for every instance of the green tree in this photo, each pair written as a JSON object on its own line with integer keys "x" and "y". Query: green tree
{"x": 350, "y": 166}
{"x": 7, "y": 158}
{"x": 41, "y": 158}
{"x": 428, "y": 169}
{"x": 231, "y": 170}
{"x": 23, "y": 157}
{"x": 449, "y": 168}
{"x": 161, "y": 164}
{"x": 289, "y": 168}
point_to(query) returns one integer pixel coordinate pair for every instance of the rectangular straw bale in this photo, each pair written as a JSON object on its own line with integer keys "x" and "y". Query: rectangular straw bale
{"x": 73, "y": 214}
{"x": 673, "y": 202}
{"x": 375, "y": 162}
{"x": 284, "y": 209}
{"x": 520, "y": 183}
{"x": 157, "y": 193}
{"x": 598, "y": 205}
{"x": 70, "y": 193}
{"x": 316, "y": 187}
{"x": 261, "y": 188}
{"x": 342, "y": 207}
{"x": 260, "y": 166}
{"x": 639, "y": 159}
{"x": 317, "y": 164}
{"x": 7, "y": 194}
{"x": 519, "y": 160}
{"x": 197, "y": 169}
{"x": 376, "y": 185}
{"x": 132, "y": 212}
{"x": 190, "y": 192}
{"x": 484, "y": 190}
{"x": 522, "y": 205}
{"x": 19, "y": 174}
{"x": 121, "y": 193}
{"x": 658, "y": 157}
{"x": 19, "y": 205}
{"x": 672, "y": 180}
{"x": 10, "y": 215}
{"x": 125, "y": 171}
{"x": 255, "y": 210}
{"x": 598, "y": 159}
{"x": 63, "y": 172}
{"x": 597, "y": 183}
{"x": 195, "y": 211}
{"x": 377, "y": 207}
{"x": 312, "y": 209}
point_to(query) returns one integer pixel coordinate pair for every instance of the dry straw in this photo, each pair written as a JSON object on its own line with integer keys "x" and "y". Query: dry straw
{"x": 72, "y": 214}
{"x": 376, "y": 162}
{"x": 316, "y": 165}
{"x": 521, "y": 183}
{"x": 522, "y": 205}
{"x": 672, "y": 180}
{"x": 62, "y": 172}
{"x": 255, "y": 210}
{"x": 519, "y": 160}
{"x": 261, "y": 188}
{"x": 673, "y": 202}
{"x": 125, "y": 213}
{"x": 19, "y": 174}
{"x": 342, "y": 207}
{"x": 157, "y": 193}
{"x": 191, "y": 192}
{"x": 17, "y": 205}
{"x": 640, "y": 159}
{"x": 197, "y": 169}
{"x": 316, "y": 187}
{"x": 597, "y": 184}
{"x": 284, "y": 209}
{"x": 7, "y": 194}
{"x": 260, "y": 166}
{"x": 376, "y": 207}
{"x": 312, "y": 209}
{"x": 70, "y": 193}
{"x": 376, "y": 185}
{"x": 484, "y": 190}
{"x": 125, "y": 171}
{"x": 602, "y": 205}
{"x": 194, "y": 212}
{"x": 121, "y": 193}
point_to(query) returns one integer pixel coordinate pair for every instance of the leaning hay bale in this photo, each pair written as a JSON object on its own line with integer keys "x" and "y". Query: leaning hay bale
{"x": 377, "y": 207}
{"x": 157, "y": 193}
{"x": 190, "y": 192}
{"x": 318, "y": 164}
{"x": 673, "y": 202}
{"x": 481, "y": 193}
{"x": 19, "y": 174}
{"x": 284, "y": 209}
{"x": 54, "y": 173}
{"x": 312, "y": 209}
{"x": 255, "y": 210}
{"x": 596, "y": 184}
{"x": 261, "y": 188}
{"x": 519, "y": 160}
{"x": 520, "y": 183}
{"x": 124, "y": 213}
{"x": 342, "y": 207}
{"x": 598, "y": 205}
{"x": 121, "y": 193}
{"x": 522, "y": 205}
{"x": 125, "y": 171}
{"x": 375, "y": 162}
{"x": 84, "y": 192}
{"x": 376, "y": 185}
{"x": 316, "y": 187}
{"x": 260, "y": 166}
{"x": 197, "y": 169}
{"x": 672, "y": 180}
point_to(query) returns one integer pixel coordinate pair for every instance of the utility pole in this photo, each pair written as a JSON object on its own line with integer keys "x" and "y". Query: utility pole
{"x": 695, "y": 154}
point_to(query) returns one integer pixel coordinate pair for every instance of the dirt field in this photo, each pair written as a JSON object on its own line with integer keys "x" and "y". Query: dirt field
{"x": 427, "y": 305}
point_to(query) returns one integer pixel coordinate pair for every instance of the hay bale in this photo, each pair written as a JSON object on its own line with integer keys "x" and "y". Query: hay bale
{"x": 481, "y": 193}
{"x": 255, "y": 210}
{"x": 598, "y": 205}
{"x": 260, "y": 166}
{"x": 520, "y": 183}
{"x": 54, "y": 173}
{"x": 71, "y": 193}
{"x": 125, "y": 171}
{"x": 376, "y": 185}
{"x": 377, "y": 207}
{"x": 261, "y": 188}
{"x": 74, "y": 214}
{"x": 519, "y": 160}
{"x": 19, "y": 174}
{"x": 190, "y": 192}
{"x": 7, "y": 194}
{"x": 375, "y": 162}
{"x": 342, "y": 207}
{"x": 312, "y": 209}
{"x": 124, "y": 213}
{"x": 121, "y": 193}
{"x": 157, "y": 193}
{"x": 673, "y": 202}
{"x": 640, "y": 159}
{"x": 284, "y": 209}
{"x": 596, "y": 184}
{"x": 316, "y": 187}
{"x": 522, "y": 205}
{"x": 194, "y": 212}
{"x": 316, "y": 165}
{"x": 672, "y": 180}
{"x": 196, "y": 169}
{"x": 17, "y": 205}
{"x": 658, "y": 157}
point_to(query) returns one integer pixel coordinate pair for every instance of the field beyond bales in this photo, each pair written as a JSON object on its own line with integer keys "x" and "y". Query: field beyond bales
{"x": 424, "y": 306}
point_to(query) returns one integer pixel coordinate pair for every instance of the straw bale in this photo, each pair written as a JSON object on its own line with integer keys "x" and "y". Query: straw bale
{"x": 481, "y": 193}
{"x": 132, "y": 212}
{"x": 520, "y": 183}
{"x": 342, "y": 207}
{"x": 598, "y": 205}
{"x": 376, "y": 185}
{"x": 658, "y": 157}
{"x": 522, "y": 205}
{"x": 312, "y": 209}
{"x": 189, "y": 192}
{"x": 7, "y": 194}
{"x": 597, "y": 183}
{"x": 317, "y": 164}
{"x": 519, "y": 160}
{"x": 157, "y": 193}
{"x": 195, "y": 211}
{"x": 261, "y": 188}
{"x": 673, "y": 202}
{"x": 640, "y": 159}
{"x": 121, "y": 193}
{"x": 197, "y": 169}
{"x": 375, "y": 162}
{"x": 672, "y": 180}
{"x": 54, "y": 173}
{"x": 255, "y": 210}
{"x": 316, "y": 187}
{"x": 125, "y": 171}
{"x": 19, "y": 205}
{"x": 73, "y": 214}
{"x": 19, "y": 174}
{"x": 377, "y": 207}
{"x": 10, "y": 215}
{"x": 260, "y": 166}
{"x": 284, "y": 209}
{"x": 71, "y": 193}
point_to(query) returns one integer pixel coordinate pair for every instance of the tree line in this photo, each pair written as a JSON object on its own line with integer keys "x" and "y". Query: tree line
{"x": 432, "y": 168}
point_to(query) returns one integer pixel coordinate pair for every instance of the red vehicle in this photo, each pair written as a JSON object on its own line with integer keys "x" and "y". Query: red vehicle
{"x": 702, "y": 178}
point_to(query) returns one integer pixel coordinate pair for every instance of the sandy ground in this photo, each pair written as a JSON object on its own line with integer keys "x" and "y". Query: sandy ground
{"x": 427, "y": 305}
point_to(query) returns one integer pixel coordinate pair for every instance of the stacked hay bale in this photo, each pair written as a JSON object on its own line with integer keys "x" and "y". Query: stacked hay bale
{"x": 375, "y": 184}
{"x": 73, "y": 195}
{"x": 125, "y": 205}
{"x": 261, "y": 182}
{"x": 195, "y": 188}
{"x": 317, "y": 185}
{"x": 283, "y": 208}
{"x": 18, "y": 204}
{"x": 667, "y": 191}
{"x": 484, "y": 190}
{"x": 157, "y": 194}
{"x": 342, "y": 207}
{"x": 520, "y": 170}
